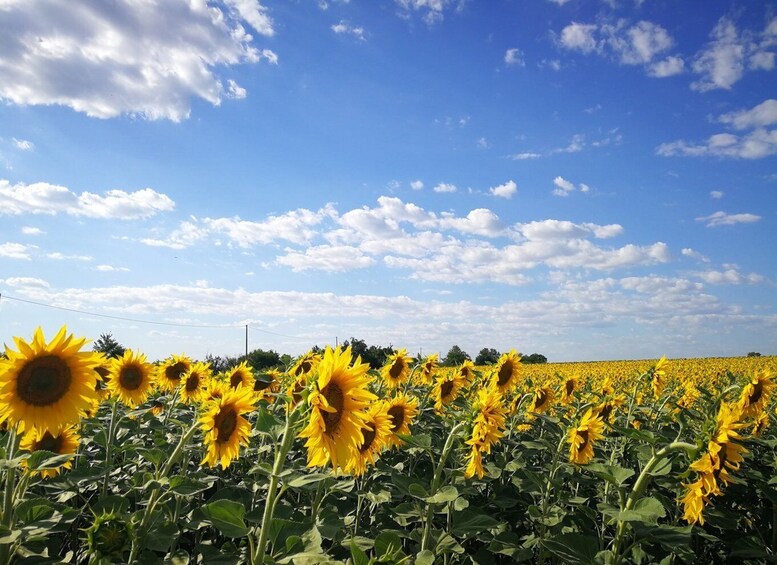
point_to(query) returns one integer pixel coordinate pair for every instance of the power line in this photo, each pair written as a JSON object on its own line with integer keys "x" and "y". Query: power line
{"x": 139, "y": 321}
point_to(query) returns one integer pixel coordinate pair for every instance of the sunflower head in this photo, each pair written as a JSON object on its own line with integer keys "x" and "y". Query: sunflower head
{"x": 428, "y": 367}
{"x": 756, "y": 393}
{"x": 305, "y": 364}
{"x": 109, "y": 537}
{"x": 240, "y": 375}
{"x": 401, "y": 410}
{"x": 375, "y": 434}
{"x": 169, "y": 373}
{"x": 542, "y": 400}
{"x": 505, "y": 376}
{"x": 446, "y": 389}
{"x": 62, "y": 442}
{"x": 466, "y": 371}
{"x": 47, "y": 385}
{"x": 195, "y": 382}
{"x": 396, "y": 371}
{"x": 582, "y": 437}
{"x": 223, "y": 426}
{"x": 132, "y": 378}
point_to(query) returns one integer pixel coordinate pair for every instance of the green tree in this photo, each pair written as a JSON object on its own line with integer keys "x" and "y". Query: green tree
{"x": 753, "y": 354}
{"x": 109, "y": 346}
{"x": 259, "y": 359}
{"x": 455, "y": 356}
{"x": 534, "y": 358}
{"x": 487, "y": 356}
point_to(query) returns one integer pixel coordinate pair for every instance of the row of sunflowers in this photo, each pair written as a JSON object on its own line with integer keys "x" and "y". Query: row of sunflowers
{"x": 123, "y": 460}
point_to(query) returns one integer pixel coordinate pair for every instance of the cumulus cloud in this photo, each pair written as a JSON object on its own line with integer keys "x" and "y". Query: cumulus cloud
{"x": 580, "y": 37}
{"x": 506, "y": 190}
{"x": 668, "y": 67}
{"x": 445, "y": 187}
{"x": 724, "y": 219}
{"x": 31, "y": 230}
{"x": 565, "y": 187}
{"x": 716, "y": 194}
{"x": 23, "y": 144}
{"x": 11, "y": 250}
{"x": 417, "y": 185}
{"x": 147, "y": 59}
{"x": 525, "y": 156}
{"x": 26, "y": 282}
{"x": 326, "y": 258}
{"x": 764, "y": 114}
{"x": 729, "y": 276}
{"x": 57, "y": 256}
{"x": 346, "y": 28}
{"x": 514, "y": 57}
{"x": 433, "y": 11}
{"x": 111, "y": 269}
{"x": 693, "y": 254}
{"x": 51, "y": 199}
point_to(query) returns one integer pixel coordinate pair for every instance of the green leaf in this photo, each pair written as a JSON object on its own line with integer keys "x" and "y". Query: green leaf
{"x": 460, "y": 504}
{"x": 39, "y": 460}
{"x": 417, "y": 490}
{"x": 226, "y": 516}
{"x": 447, "y": 493}
{"x": 424, "y": 557}
{"x": 647, "y": 510}
{"x": 358, "y": 556}
{"x": 387, "y": 544}
{"x": 749, "y": 548}
{"x": 185, "y": 486}
{"x": 33, "y": 510}
{"x": 111, "y": 503}
{"x": 610, "y": 473}
{"x": 302, "y": 480}
{"x": 472, "y": 522}
{"x": 573, "y": 548}
{"x": 423, "y": 441}
{"x": 266, "y": 421}
{"x": 671, "y": 537}
{"x": 155, "y": 455}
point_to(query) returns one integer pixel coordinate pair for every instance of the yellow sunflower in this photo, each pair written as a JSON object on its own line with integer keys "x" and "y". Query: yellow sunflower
{"x": 305, "y": 364}
{"x": 337, "y": 410}
{"x": 62, "y": 442}
{"x": 103, "y": 371}
{"x": 241, "y": 375}
{"x": 157, "y": 407}
{"x": 268, "y": 383}
{"x": 542, "y": 400}
{"x": 487, "y": 428}
{"x": 658, "y": 375}
{"x": 170, "y": 372}
{"x": 581, "y": 438}
{"x": 505, "y": 376}
{"x": 376, "y": 436}
{"x": 224, "y": 428}
{"x": 49, "y": 385}
{"x": 693, "y": 502}
{"x": 131, "y": 378}
{"x": 756, "y": 393}
{"x": 467, "y": 371}
{"x": 569, "y": 388}
{"x": 396, "y": 371}
{"x": 446, "y": 389}
{"x": 401, "y": 410}
{"x": 216, "y": 390}
{"x": 428, "y": 367}
{"x": 194, "y": 383}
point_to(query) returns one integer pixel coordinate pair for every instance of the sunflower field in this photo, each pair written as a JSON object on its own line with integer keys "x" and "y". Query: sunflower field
{"x": 127, "y": 461}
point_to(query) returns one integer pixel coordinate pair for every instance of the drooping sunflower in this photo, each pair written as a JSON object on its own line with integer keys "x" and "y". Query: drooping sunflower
{"x": 582, "y": 437}
{"x": 376, "y": 436}
{"x": 49, "y": 385}
{"x": 487, "y": 428}
{"x": 467, "y": 371}
{"x": 658, "y": 376}
{"x": 338, "y": 401}
{"x": 505, "y": 376}
{"x": 216, "y": 390}
{"x": 132, "y": 378}
{"x": 446, "y": 389}
{"x": 103, "y": 371}
{"x": 401, "y": 410}
{"x": 569, "y": 388}
{"x": 224, "y": 428}
{"x": 240, "y": 375}
{"x": 693, "y": 502}
{"x": 157, "y": 407}
{"x": 756, "y": 394}
{"x": 396, "y": 371}
{"x": 305, "y": 364}
{"x": 428, "y": 367}
{"x": 266, "y": 384}
{"x": 62, "y": 442}
{"x": 194, "y": 383}
{"x": 170, "y": 372}
{"x": 542, "y": 400}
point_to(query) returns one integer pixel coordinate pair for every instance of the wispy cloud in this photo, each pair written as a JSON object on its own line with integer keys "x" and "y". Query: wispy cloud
{"x": 724, "y": 219}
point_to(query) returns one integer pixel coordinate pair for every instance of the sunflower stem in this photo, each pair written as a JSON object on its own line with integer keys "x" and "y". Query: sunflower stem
{"x": 548, "y": 488}
{"x": 269, "y": 505}
{"x": 113, "y": 424}
{"x": 436, "y": 483}
{"x": 641, "y": 485}
{"x": 10, "y": 479}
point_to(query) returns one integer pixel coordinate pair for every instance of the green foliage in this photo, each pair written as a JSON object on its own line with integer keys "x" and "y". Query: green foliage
{"x": 259, "y": 359}
{"x": 753, "y": 354}
{"x": 109, "y": 346}
{"x": 487, "y": 356}
{"x": 375, "y": 355}
{"x": 534, "y": 358}
{"x": 455, "y": 356}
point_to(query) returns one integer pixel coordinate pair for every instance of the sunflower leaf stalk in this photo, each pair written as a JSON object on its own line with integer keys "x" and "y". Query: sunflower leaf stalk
{"x": 292, "y": 418}
{"x": 112, "y": 425}
{"x": 10, "y": 479}
{"x": 436, "y": 482}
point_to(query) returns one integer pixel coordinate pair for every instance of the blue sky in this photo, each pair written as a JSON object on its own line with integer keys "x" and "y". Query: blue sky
{"x": 590, "y": 180}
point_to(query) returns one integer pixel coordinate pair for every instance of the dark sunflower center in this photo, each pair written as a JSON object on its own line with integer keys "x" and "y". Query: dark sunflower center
{"x": 192, "y": 382}
{"x": 226, "y": 423}
{"x": 570, "y": 387}
{"x": 396, "y": 369}
{"x": 464, "y": 372}
{"x": 369, "y": 438}
{"x": 541, "y": 397}
{"x": 446, "y": 389}
{"x": 755, "y": 396}
{"x": 334, "y": 396}
{"x": 397, "y": 415}
{"x": 48, "y": 443}
{"x": 505, "y": 372}
{"x": 261, "y": 385}
{"x": 236, "y": 380}
{"x": 173, "y": 372}
{"x": 105, "y": 374}
{"x": 130, "y": 378}
{"x": 583, "y": 434}
{"x": 606, "y": 410}
{"x": 43, "y": 381}
{"x": 303, "y": 368}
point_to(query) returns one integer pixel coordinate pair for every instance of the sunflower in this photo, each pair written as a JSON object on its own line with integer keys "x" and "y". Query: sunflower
{"x": 337, "y": 417}
{"x": 305, "y": 364}
{"x": 542, "y": 400}
{"x": 103, "y": 371}
{"x": 396, "y": 371}
{"x": 658, "y": 375}
{"x": 216, "y": 390}
{"x": 241, "y": 375}
{"x": 505, "y": 376}
{"x": 224, "y": 428}
{"x": 376, "y": 437}
{"x": 474, "y": 464}
{"x": 170, "y": 372}
{"x": 131, "y": 378}
{"x": 756, "y": 393}
{"x": 47, "y": 385}
{"x": 266, "y": 384}
{"x": 446, "y": 389}
{"x": 428, "y": 367}
{"x": 157, "y": 407}
{"x": 693, "y": 502}
{"x": 467, "y": 371}
{"x": 401, "y": 410}
{"x": 487, "y": 428}
{"x": 194, "y": 383}
{"x": 568, "y": 390}
{"x": 62, "y": 442}
{"x": 581, "y": 438}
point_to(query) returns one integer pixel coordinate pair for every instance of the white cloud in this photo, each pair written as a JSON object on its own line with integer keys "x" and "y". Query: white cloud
{"x": 564, "y": 187}
{"x": 445, "y": 187}
{"x": 111, "y": 269}
{"x": 147, "y": 59}
{"x": 187, "y": 234}
{"x": 482, "y": 143}
{"x": 576, "y": 144}
{"x": 579, "y": 37}
{"x": 553, "y": 64}
{"x": 764, "y": 114}
{"x": 27, "y": 282}
{"x": 57, "y": 256}
{"x": 559, "y": 2}
{"x": 642, "y": 42}
{"x": 270, "y": 55}
{"x": 525, "y": 156}
{"x": 506, "y": 190}
{"x": 514, "y": 57}
{"x": 344, "y": 27}
{"x": 326, "y": 258}
{"x": 723, "y": 219}
{"x": 668, "y": 67}
{"x": 235, "y": 91}
{"x": 693, "y": 254}
{"x": 45, "y": 198}
{"x": 433, "y": 10}
{"x": 31, "y": 230}
{"x": 480, "y": 221}
{"x": 716, "y": 194}
{"x": 23, "y": 144}
{"x": 417, "y": 185}
{"x": 755, "y": 145}
{"x": 729, "y": 276}
{"x": 11, "y": 250}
